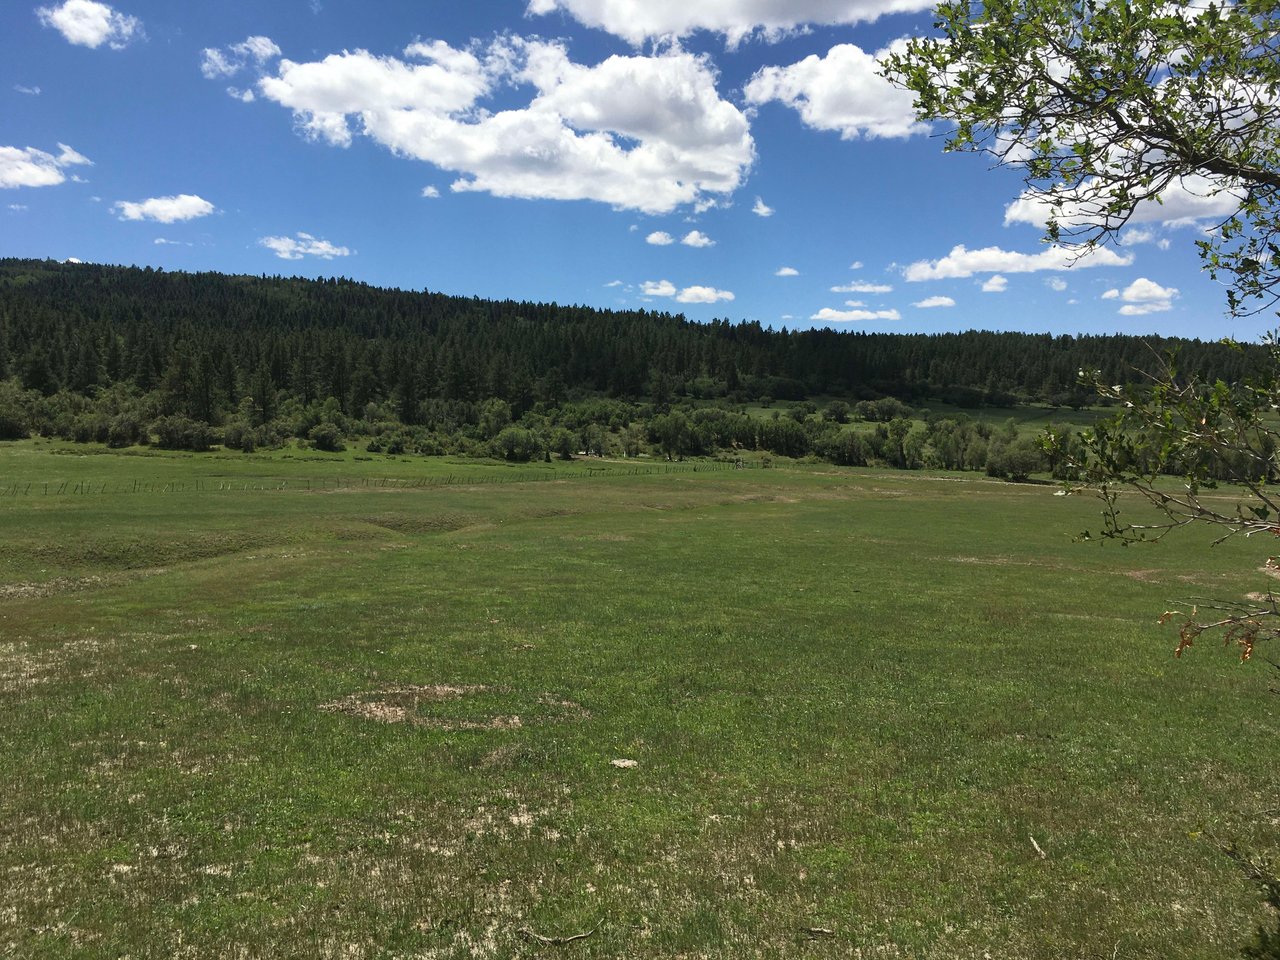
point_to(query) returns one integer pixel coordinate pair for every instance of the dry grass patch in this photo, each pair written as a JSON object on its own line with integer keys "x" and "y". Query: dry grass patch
{"x": 22, "y": 667}
{"x": 395, "y": 704}
{"x": 417, "y": 705}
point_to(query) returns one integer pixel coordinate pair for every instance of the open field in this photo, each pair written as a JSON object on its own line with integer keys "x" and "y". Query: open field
{"x": 269, "y": 707}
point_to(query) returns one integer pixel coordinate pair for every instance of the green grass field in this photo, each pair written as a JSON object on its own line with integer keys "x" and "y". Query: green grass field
{"x": 314, "y": 706}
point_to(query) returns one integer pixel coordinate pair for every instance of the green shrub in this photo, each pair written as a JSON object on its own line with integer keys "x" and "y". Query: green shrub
{"x": 182, "y": 433}
{"x": 327, "y": 437}
{"x": 15, "y": 413}
{"x": 1016, "y": 460}
{"x": 516, "y": 444}
{"x": 125, "y": 430}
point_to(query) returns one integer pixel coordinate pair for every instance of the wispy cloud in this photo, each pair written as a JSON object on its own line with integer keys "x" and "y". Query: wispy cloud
{"x": 862, "y": 287}
{"x": 230, "y": 60}
{"x": 828, "y": 315}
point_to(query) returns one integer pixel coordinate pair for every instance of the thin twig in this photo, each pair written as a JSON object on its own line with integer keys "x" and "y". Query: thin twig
{"x": 557, "y": 941}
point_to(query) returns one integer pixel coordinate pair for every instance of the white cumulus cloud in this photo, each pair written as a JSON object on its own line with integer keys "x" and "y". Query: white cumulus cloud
{"x": 638, "y": 20}
{"x": 431, "y": 193}
{"x": 1143, "y": 296}
{"x": 29, "y": 167}
{"x": 828, "y": 315}
{"x": 303, "y": 245}
{"x": 29, "y": 91}
{"x": 229, "y": 61}
{"x": 787, "y": 272}
{"x": 88, "y": 23}
{"x": 962, "y": 262}
{"x": 693, "y": 294}
{"x": 660, "y": 238}
{"x": 648, "y": 133}
{"x": 696, "y": 238}
{"x": 1185, "y": 202}
{"x": 703, "y": 295}
{"x": 184, "y": 206}
{"x": 658, "y": 288}
{"x": 1137, "y": 235}
{"x": 929, "y": 303}
{"x": 762, "y": 209}
{"x": 842, "y": 91}
{"x": 995, "y": 284}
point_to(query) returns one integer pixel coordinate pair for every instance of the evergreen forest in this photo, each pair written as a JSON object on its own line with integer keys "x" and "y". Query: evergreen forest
{"x": 128, "y": 356}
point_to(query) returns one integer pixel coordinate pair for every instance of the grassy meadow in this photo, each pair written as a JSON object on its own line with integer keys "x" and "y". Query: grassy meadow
{"x": 302, "y": 705}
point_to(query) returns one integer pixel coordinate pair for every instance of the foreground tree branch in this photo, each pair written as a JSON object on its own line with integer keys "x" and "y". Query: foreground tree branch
{"x": 1109, "y": 108}
{"x": 1199, "y": 453}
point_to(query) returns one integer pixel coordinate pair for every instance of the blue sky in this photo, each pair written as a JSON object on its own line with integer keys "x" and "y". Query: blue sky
{"x": 717, "y": 158}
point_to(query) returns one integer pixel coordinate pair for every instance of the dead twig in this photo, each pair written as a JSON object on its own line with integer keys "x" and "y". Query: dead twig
{"x": 818, "y": 932}
{"x": 1043, "y": 855}
{"x": 556, "y": 941}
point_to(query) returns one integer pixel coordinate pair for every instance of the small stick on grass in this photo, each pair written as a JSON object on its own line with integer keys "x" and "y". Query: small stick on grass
{"x": 1043, "y": 855}
{"x": 557, "y": 941}
{"x": 817, "y": 932}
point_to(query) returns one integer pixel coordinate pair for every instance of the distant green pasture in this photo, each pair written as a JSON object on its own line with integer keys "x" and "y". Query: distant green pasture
{"x": 871, "y": 714}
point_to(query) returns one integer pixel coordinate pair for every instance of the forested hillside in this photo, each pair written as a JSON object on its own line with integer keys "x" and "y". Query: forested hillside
{"x": 133, "y": 355}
